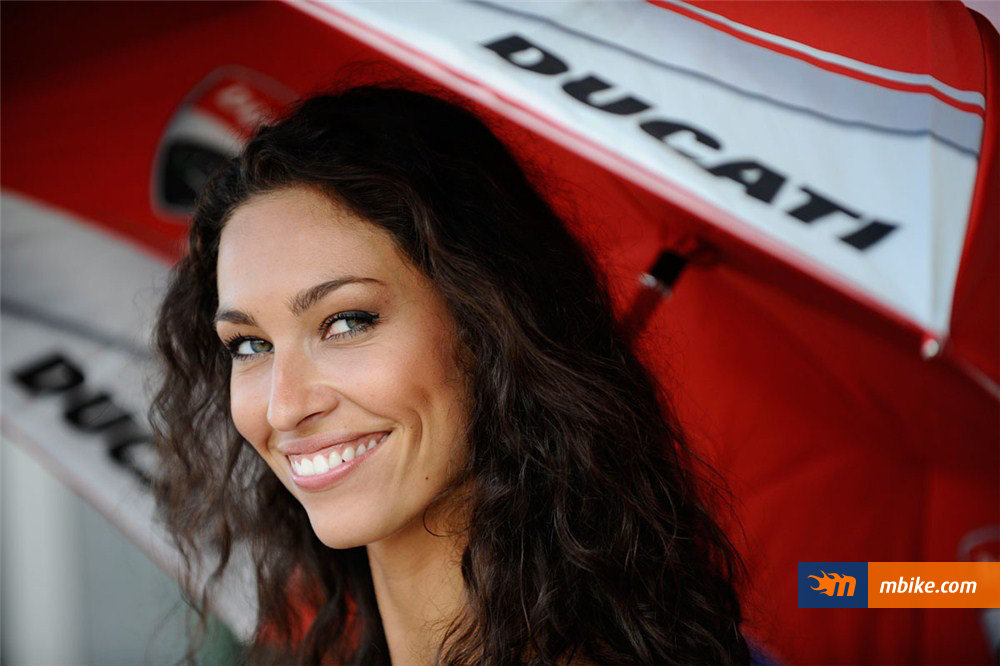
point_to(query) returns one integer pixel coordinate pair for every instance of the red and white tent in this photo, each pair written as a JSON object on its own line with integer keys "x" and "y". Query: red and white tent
{"x": 823, "y": 177}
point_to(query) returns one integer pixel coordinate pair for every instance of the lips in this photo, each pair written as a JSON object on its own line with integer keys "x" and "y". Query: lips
{"x": 323, "y": 467}
{"x": 311, "y": 445}
{"x": 329, "y": 458}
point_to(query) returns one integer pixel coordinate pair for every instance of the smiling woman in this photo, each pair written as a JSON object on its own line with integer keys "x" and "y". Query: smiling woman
{"x": 393, "y": 372}
{"x": 329, "y": 366}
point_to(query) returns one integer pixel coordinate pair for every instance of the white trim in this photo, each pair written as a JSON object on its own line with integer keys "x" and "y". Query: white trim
{"x": 964, "y": 96}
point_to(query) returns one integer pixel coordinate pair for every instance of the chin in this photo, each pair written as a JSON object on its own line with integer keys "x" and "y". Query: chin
{"x": 336, "y": 532}
{"x": 338, "y": 528}
{"x": 340, "y": 541}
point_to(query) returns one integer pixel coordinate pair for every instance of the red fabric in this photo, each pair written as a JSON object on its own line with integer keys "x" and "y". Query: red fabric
{"x": 90, "y": 87}
{"x": 976, "y": 310}
{"x": 840, "y": 443}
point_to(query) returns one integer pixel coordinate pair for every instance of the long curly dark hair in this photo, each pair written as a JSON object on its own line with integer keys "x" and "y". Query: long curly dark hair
{"x": 590, "y": 534}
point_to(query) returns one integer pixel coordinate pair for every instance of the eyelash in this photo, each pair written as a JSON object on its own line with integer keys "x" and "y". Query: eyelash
{"x": 369, "y": 320}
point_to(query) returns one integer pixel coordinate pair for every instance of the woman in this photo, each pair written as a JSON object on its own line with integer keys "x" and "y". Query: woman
{"x": 394, "y": 373}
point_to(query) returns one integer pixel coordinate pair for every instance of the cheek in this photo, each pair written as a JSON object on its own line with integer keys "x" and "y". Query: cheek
{"x": 411, "y": 380}
{"x": 438, "y": 386}
{"x": 248, "y": 407}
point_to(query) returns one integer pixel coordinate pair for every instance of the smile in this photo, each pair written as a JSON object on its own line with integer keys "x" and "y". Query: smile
{"x": 334, "y": 460}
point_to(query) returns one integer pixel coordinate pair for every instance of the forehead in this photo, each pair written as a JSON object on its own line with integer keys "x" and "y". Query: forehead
{"x": 298, "y": 235}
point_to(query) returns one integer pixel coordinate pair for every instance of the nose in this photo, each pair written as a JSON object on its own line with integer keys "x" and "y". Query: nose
{"x": 299, "y": 391}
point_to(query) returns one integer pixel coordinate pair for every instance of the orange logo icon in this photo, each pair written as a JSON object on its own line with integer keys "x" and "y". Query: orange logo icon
{"x": 831, "y": 584}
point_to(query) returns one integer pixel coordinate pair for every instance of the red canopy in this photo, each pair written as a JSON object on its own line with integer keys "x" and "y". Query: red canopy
{"x": 827, "y": 171}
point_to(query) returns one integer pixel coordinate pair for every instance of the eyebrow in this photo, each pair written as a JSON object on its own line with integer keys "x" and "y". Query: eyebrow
{"x": 302, "y": 301}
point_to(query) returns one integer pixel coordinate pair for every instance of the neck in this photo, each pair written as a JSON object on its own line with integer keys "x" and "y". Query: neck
{"x": 419, "y": 588}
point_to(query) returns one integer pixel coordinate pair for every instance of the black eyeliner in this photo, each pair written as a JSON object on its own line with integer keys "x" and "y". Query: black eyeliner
{"x": 369, "y": 319}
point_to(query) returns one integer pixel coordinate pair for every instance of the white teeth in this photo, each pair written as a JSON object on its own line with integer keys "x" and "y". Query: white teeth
{"x": 322, "y": 463}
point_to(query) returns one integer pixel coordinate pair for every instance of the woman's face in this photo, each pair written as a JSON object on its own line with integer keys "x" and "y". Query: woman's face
{"x": 339, "y": 342}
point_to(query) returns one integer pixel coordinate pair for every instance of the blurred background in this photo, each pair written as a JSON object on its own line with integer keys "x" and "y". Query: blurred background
{"x": 837, "y": 363}
{"x": 77, "y": 591}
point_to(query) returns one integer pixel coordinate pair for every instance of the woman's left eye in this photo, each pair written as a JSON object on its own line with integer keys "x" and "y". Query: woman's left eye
{"x": 241, "y": 348}
{"x": 348, "y": 324}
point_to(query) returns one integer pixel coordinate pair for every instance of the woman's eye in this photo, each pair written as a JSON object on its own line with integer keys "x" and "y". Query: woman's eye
{"x": 340, "y": 325}
{"x": 243, "y": 348}
{"x": 348, "y": 324}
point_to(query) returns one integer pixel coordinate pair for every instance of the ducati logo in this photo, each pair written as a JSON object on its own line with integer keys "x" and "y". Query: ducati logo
{"x": 207, "y": 129}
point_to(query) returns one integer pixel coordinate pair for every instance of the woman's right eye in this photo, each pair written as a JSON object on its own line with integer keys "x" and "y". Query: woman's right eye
{"x": 242, "y": 348}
